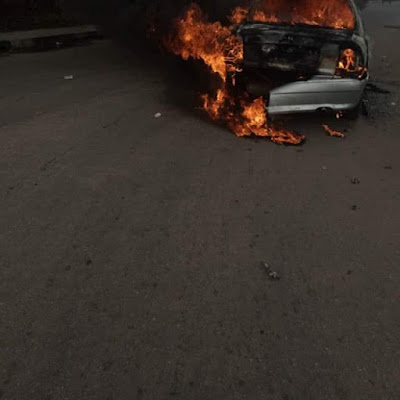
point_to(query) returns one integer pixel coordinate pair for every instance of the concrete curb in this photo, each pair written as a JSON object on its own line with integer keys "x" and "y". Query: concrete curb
{"x": 41, "y": 39}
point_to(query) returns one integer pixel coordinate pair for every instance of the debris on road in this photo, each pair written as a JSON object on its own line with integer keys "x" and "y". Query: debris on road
{"x": 68, "y": 77}
{"x": 324, "y": 167}
{"x": 393, "y": 103}
{"x": 354, "y": 207}
{"x": 355, "y": 181}
{"x": 388, "y": 167}
{"x": 157, "y": 115}
{"x": 273, "y": 275}
{"x": 332, "y": 132}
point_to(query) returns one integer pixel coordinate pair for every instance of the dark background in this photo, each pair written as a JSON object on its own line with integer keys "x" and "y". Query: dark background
{"x": 32, "y": 14}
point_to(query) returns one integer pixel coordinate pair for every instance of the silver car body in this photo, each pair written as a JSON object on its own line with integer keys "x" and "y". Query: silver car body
{"x": 321, "y": 89}
{"x": 318, "y": 93}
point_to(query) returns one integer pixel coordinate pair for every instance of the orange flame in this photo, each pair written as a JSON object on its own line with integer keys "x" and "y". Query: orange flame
{"x": 238, "y": 15}
{"x": 333, "y": 14}
{"x": 349, "y": 65}
{"x": 332, "y": 132}
{"x": 347, "y": 60}
{"x": 211, "y": 42}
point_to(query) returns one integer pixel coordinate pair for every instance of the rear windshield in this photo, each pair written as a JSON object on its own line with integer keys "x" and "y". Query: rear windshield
{"x": 329, "y": 13}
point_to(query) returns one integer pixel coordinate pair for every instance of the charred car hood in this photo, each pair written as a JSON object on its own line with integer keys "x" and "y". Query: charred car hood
{"x": 305, "y": 49}
{"x": 285, "y": 33}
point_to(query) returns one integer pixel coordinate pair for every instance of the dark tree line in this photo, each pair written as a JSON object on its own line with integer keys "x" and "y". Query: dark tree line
{"x": 27, "y": 14}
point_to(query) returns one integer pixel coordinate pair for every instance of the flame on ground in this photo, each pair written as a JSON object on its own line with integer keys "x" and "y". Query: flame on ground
{"x": 222, "y": 51}
{"x": 332, "y": 132}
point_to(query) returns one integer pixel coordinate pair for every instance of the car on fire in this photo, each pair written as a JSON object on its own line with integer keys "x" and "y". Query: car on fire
{"x": 309, "y": 57}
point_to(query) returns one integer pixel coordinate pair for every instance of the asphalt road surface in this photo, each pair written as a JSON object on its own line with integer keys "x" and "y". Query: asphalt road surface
{"x": 131, "y": 245}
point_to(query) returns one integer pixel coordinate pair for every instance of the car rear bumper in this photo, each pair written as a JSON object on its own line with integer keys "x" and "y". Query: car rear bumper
{"x": 336, "y": 94}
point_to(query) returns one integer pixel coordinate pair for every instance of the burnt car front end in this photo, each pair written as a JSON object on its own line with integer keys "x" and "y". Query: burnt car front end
{"x": 302, "y": 66}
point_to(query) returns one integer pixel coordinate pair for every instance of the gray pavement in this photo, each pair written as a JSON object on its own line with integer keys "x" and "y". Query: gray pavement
{"x": 130, "y": 246}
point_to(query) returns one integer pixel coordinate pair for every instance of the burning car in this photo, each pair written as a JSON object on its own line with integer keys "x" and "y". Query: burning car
{"x": 304, "y": 55}
{"x": 276, "y": 57}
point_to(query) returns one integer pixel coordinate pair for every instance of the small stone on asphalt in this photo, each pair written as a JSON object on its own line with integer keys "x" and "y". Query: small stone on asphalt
{"x": 273, "y": 275}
